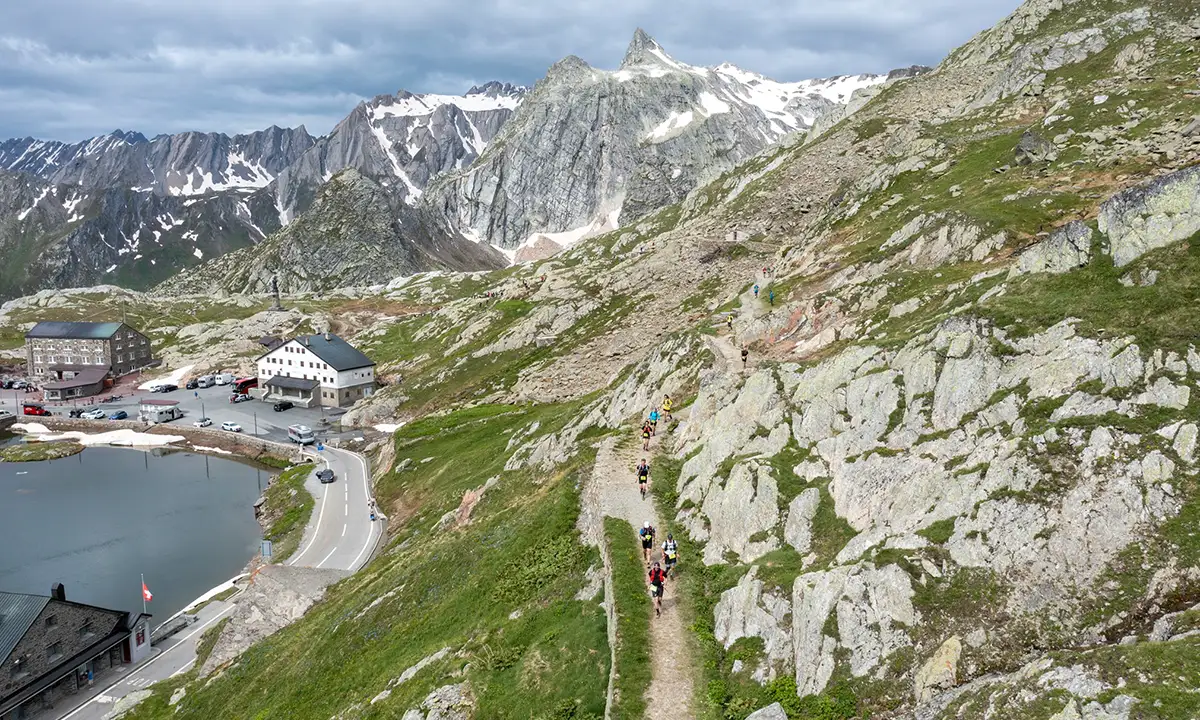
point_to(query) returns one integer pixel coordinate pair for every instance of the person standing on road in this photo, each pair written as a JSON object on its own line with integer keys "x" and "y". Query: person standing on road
{"x": 756, "y": 290}
{"x": 745, "y": 355}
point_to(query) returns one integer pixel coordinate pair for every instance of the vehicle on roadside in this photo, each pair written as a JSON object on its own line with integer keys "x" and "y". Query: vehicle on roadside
{"x": 245, "y": 384}
{"x": 231, "y": 426}
{"x": 34, "y": 409}
{"x": 237, "y": 398}
{"x": 75, "y": 413}
{"x": 20, "y": 385}
{"x": 167, "y": 387}
{"x": 96, "y": 414}
{"x": 205, "y": 381}
{"x": 203, "y": 422}
{"x": 192, "y": 384}
{"x": 119, "y": 415}
{"x": 225, "y": 378}
{"x": 325, "y": 476}
{"x": 159, "y": 414}
{"x": 302, "y": 434}
{"x": 283, "y": 405}
{"x": 7, "y": 384}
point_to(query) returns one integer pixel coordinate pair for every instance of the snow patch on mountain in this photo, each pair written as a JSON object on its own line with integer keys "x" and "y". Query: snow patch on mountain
{"x": 25, "y": 213}
{"x": 408, "y": 104}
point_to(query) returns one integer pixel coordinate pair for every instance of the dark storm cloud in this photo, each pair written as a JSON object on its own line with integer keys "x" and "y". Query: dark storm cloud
{"x": 70, "y": 69}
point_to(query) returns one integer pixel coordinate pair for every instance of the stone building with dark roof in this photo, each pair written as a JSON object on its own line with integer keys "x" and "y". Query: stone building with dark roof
{"x": 50, "y": 647}
{"x": 74, "y": 359}
{"x": 313, "y": 370}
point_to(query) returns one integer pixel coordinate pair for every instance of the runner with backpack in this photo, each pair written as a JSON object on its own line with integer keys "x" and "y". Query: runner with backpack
{"x": 657, "y": 578}
{"x": 643, "y": 474}
{"x": 646, "y": 432}
{"x": 670, "y": 553}
{"x": 647, "y": 536}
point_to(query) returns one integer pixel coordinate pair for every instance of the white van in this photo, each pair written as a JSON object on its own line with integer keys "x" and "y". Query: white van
{"x": 225, "y": 379}
{"x": 302, "y": 434}
{"x": 206, "y": 381}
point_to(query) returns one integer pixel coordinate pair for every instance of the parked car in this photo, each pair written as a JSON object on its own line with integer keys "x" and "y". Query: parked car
{"x": 168, "y": 388}
{"x": 75, "y": 412}
{"x": 239, "y": 397}
{"x": 325, "y": 476}
{"x": 225, "y": 378}
{"x": 7, "y": 384}
{"x": 96, "y": 414}
{"x": 192, "y": 384}
{"x": 283, "y": 405}
{"x": 205, "y": 381}
{"x": 203, "y": 422}
{"x": 231, "y": 427}
{"x": 34, "y": 409}
{"x": 119, "y": 415}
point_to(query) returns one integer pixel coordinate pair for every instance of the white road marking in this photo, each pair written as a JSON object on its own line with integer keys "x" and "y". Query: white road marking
{"x": 366, "y": 497}
{"x": 316, "y": 532}
{"x": 331, "y": 552}
{"x": 343, "y": 530}
{"x": 152, "y": 661}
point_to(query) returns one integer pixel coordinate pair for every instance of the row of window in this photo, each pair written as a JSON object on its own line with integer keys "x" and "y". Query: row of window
{"x": 311, "y": 364}
{"x": 54, "y": 651}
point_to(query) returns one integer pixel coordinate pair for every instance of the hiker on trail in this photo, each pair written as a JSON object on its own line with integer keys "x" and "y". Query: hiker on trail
{"x": 745, "y": 354}
{"x": 667, "y": 404}
{"x": 729, "y": 321}
{"x": 647, "y": 536}
{"x": 670, "y": 553}
{"x": 654, "y": 421}
{"x": 643, "y": 476}
{"x": 646, "y": 436}
{"x": 772, "y": 296}
{"x": 657, "y": 578}
{"x": 756, "y": 290}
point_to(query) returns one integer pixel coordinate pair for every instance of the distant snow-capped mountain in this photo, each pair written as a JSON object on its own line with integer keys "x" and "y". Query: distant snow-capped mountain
{"x": 590, "y": 149}
{"x": 403, "y": 141}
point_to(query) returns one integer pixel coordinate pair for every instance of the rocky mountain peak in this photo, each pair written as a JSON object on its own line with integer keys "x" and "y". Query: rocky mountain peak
{"x": 644, "y": 50}
{"x": 495, "y": 88}
{"x": 132, "y": 137}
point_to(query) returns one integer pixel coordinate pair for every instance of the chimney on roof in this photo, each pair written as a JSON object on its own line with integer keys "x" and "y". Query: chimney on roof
{"x": 307, "y": 340}
{"x": 58, "y": 592}
{"x": 326, "y": 337}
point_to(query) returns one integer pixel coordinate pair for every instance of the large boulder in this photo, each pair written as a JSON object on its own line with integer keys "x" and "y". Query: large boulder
{"x": 1157, "y": 214}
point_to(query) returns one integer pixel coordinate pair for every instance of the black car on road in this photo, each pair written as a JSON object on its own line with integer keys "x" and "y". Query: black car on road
{"x": 325, "y": 476}
{"x": 283, "y": 405}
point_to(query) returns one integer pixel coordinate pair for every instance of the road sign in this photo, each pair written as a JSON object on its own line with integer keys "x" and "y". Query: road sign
{"x": 320, "y": 447}
{"x": 266, "y": 548}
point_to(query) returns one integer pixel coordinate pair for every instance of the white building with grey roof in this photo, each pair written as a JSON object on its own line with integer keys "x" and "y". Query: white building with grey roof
{"x": 312, "y": 370}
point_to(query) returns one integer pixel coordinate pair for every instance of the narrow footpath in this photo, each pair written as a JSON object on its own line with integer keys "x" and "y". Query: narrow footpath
{"x": 670, "y": 693}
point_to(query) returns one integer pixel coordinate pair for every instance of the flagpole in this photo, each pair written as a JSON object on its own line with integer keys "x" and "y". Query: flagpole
{"x": 143, "y": 593}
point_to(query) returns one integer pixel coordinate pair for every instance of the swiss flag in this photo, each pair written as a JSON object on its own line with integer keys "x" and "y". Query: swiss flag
{"x": 146, "y": 594}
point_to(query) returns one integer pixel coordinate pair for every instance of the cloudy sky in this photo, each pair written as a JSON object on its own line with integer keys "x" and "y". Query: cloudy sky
{"x": 70, "y": 69}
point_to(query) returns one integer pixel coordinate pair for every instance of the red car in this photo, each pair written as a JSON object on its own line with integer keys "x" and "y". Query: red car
{"x": 35, "y": 409}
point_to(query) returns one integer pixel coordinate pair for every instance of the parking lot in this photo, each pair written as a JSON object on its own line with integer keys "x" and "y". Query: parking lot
{"x": 255, "y": 416}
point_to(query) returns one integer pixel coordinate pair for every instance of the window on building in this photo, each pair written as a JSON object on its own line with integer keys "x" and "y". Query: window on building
{"x": 54, "y": 651}
{"x": 52, "y": 621}
{"x": 289, "y": 363}
{"x": 20, "y": 667}
{"x": 141, "y": 635}
{"x": 85, "y": 630}
{"x": 37, "y": 358}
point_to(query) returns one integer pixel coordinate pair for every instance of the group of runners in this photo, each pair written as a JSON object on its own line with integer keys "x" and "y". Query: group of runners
{"x": 658, "y": 573}
{"x": 650, "y": 426}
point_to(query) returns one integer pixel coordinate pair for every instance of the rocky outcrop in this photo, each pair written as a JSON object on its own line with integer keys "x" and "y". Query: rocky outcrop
{"x": 356, "y": 234}
{"x": 1068, "y": 248}
{"x": 1157, "y": 214}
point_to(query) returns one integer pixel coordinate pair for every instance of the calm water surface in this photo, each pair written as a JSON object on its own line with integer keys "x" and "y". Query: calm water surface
{"x": 98, "y": 520}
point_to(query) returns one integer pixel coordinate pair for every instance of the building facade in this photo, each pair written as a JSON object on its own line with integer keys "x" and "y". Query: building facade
{"x": 51, "y": 647}
{"x": 73, "y": 359}
{"x": 313, "y": 370}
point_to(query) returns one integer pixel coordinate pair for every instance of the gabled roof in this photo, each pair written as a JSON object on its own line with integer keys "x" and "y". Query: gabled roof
{"x": 17, "y": 613}
{"x": 334, "y": 351}
{"x": 74, "y": 330}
